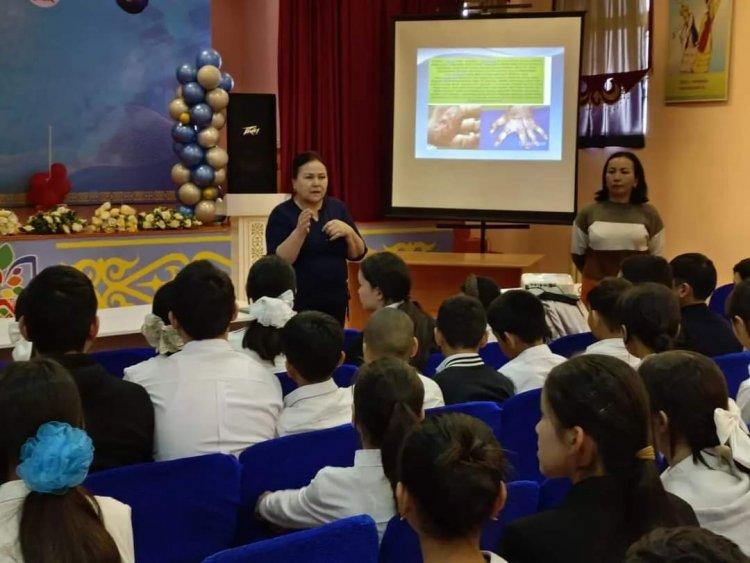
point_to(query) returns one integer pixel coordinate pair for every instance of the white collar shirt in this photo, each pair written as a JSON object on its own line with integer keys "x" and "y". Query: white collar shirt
{"x": 614, "y": 347}
{"x": 115, "y": 514}
{"x": 314, "y": 407}
{"x": 209, "y": 398}
{"x": 492, "y": 557}
{"x": 335, "y": 493}
{"x": 719, "y": 494}
{"x": 433, "y": 395}
{"x": 530, "y": 368}
{"x": 464, "y": 359}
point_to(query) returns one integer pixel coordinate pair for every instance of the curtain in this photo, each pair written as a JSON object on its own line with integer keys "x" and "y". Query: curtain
{"x": 614, "y": 71}
{"x": 336, "y": 91}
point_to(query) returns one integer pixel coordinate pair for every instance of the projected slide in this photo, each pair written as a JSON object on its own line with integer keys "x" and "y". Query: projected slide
{"x": 489, "y": 104}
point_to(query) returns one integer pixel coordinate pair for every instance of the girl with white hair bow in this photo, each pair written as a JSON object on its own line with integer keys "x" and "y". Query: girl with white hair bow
{"x": 700, "y": 432}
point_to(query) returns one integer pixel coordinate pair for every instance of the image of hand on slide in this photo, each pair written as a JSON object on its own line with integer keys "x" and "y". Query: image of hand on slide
{"x": 455, "y": 127}
{"x": 519, "y": 120}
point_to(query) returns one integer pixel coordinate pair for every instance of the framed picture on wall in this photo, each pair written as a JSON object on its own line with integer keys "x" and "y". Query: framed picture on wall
{"x": 699, "y": 47}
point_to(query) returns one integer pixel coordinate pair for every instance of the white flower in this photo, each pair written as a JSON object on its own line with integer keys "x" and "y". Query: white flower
{"x": 66, "y": 229}
{"x": 150, "y": 217}
{"x": 188, "y": 223}
{"x": 174, "y": 224}
{"x": 161, "y": 224}
{"x": 77, "y": 227}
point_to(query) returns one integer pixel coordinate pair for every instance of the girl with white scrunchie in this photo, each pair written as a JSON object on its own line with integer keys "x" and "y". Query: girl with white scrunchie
{"x": 271, "y": 286}
{"x": 700, "y": 431}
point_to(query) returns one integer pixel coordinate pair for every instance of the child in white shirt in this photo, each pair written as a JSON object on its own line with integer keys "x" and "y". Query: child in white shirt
{"x": 518, "y": 320}
{"x": 700, "y": 432}
{"x": 313, "y": 344}
{"x": 387, "y": 405}
{"x": 605, "y": 320}
{"x": 390, "y": 332}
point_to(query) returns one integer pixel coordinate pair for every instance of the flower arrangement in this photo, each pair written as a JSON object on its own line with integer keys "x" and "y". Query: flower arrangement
{"x": 9, "y": 224}
{"x": 162, "y": 218}
{"x": 109, "y": 219}
{"x": 61, "y": 219}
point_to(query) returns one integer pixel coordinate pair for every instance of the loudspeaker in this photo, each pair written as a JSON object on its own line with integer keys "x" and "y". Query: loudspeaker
{"x": 251, "y": 142}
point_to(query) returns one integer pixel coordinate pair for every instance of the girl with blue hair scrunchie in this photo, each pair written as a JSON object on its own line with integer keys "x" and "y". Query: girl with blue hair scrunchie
{"x": 45, "y": 515}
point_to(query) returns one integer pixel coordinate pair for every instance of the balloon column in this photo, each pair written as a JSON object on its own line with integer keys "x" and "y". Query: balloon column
{"x": 199, "y": 108}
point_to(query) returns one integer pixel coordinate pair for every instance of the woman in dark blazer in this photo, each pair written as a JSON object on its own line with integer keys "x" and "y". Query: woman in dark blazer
{"x": 596, "y": 431}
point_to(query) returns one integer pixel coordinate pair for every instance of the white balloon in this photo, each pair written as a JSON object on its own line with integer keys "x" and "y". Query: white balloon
{"x": 209, "y": 77}
{"x": 217, "y": 157}
{"x": 176, "y": 108}
{"x": 219, "y": 119}
{"x": 208, "y": 137}
{"x": 218, "y": 99}
{"x": 180, "y": 174}
{"x": 220, "y": 176}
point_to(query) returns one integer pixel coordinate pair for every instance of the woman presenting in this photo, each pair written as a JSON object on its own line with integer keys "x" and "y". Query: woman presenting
{"x": 618, "y": 224}
{"x": 317, "y": 235}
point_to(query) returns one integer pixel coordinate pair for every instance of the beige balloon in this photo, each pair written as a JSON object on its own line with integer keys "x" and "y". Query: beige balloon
{"x": 205, "y": 211}
{"x": 218, "y": 99}
{"x": 208, "y": 137}
{"x": 217, "y": 157}
{"x": 177, "y": 107}
{"x": 180, "y": 174}
{"x": 209, "y": 77}
{"x": 220, "y": 176}
{"x": 189, "y": 193}
{"x": 219, "y": 119}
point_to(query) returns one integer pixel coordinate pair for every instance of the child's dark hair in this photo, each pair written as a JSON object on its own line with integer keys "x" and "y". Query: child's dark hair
{"x": 54, "y": 527}
{"x": 163, "y": 300}
{"x": 59, "y": 308}
{"x": 642, "y": 268}
{"x": 743, "y": 269}
{"x": 389, "y": 273}
{"x": 269, "y": 276}
{"x": 685, "y": 544}
{"x": 640, "y": 191}
{"x": 204, "y": 302}
{"x": 521, "y": 313}
{"x": 312, "y": 342}
{"x": 462, "y": 321}
{"x": 687, "y": 387}
{"x": 651, "y": 312}
{"x": 18, "y": 308}
{"x": 388, "y": 397}
{"x": 483, "y": 288}
{"x": 607, "y": 399}
{"x": 456, "y": 453}
{"x": 604, "y": 299}
{"x": 697, "y": 271}
{"x": 303, "y": 158}
{"x": 738, "y": 302}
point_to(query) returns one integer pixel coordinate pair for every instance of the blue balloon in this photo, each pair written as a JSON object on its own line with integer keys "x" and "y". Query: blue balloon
{"x": 191, "y": 155}
{"x": 185, "y": 210}
{"x": 186, "y": 73}
{"x": 208, "y": 57}
{"x": 183, "y": 133}
{"x": 177, "y": 148}
{"x": 193, "y": 93}
{"x": 201, "y": 114}
{"x": 227, "y": 82}
{"x": 202, "y": 175}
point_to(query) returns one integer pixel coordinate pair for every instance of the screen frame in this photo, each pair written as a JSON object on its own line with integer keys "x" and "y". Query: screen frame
{"x": 457, "y": 214}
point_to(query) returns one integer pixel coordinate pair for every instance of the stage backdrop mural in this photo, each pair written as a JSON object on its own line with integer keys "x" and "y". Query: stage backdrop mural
{"x": 102, "y": 78}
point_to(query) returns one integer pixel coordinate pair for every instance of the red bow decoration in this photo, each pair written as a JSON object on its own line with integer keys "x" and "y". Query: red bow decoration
{"x": 49, "y": 189}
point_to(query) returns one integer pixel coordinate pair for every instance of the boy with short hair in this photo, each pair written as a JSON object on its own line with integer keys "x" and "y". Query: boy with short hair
{"x": 313, "y": 344}
{"x": 463, "y": 376}
{"x": 702, "y": 330}
{"x": 741, "y": 270}
{"x": 389, "y": 332}
{"x": 605, "y": 321}
{"x": 518, "y": 321}
{"x": 208, "y": 397}
{"x": 642, "y": 268}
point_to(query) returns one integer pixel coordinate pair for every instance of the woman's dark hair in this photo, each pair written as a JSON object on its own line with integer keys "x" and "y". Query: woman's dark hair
{"x": 742, "y": 268}
{"x": 163, "y": 302}
{"x": 640, "y": 191}
{"x": 389, "y": 273}
{"x": 65, "y": 528}
{"x": 651, "y": 312}
{"x": 303, "y": 158}
{"x": 268, "y": 277}
{"x": 456, "y": 453}
{"x": 388, "y": 397}
{"x": 685, "y": 544}
{"x": 607, "y": 399}
{"x": 738, "y": 302}
{"x": 688, "y": 387}
{"x": 483, "y": 288}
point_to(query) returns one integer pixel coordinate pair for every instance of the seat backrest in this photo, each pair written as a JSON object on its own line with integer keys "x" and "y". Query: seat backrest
{"x": 717, "y": 301}
{"x": 735, "y": 370}
{"x": 289, "y": 462}
{"x": 519, "y": 416}
{"x": 344, "y": 374}
{"x": 433, "y": 361}
{"x": 493, "y": 355}
{"x": 350, "y": 335}
{"x": 486, "y": 411}
{"x": 115, "y": 361}
{"x": 553, "y": 492}
{"x": 572, "y": 344}
{"x": 401, "y": 545}
{"x": 343, "y": 541}
{"x": 182, "y": 510}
